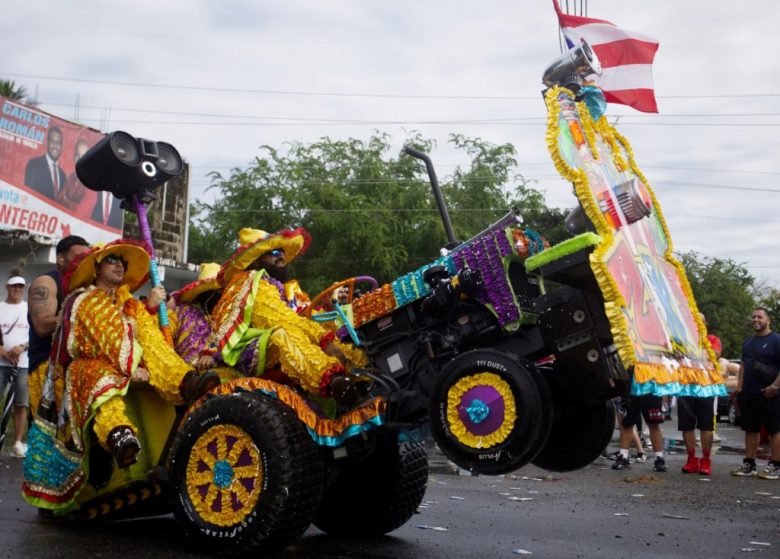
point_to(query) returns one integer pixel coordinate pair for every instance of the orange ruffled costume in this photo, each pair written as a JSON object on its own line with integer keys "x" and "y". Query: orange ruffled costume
{"x": 109, "y": 338}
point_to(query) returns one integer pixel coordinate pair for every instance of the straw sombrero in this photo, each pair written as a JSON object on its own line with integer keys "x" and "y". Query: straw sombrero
{"x": 83, "y": 268}
{"x": 253, "y": 243}
{"x": 207, "y": 281}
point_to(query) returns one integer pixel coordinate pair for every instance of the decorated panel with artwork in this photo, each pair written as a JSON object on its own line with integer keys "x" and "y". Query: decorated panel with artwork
{"x": 648, "y": 300}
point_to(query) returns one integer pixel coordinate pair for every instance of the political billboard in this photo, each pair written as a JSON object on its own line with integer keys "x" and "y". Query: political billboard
{"x": 39, "y": 190}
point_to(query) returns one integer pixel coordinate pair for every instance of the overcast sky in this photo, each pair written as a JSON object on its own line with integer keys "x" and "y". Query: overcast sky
{"x": 217, "y": 79}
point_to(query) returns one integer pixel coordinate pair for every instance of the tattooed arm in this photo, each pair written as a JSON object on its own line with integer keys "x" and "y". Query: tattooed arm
{"x": 42, "y": 305}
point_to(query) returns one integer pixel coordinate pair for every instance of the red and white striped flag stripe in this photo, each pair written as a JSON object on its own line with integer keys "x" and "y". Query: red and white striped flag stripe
{"x": 626, "y": 59}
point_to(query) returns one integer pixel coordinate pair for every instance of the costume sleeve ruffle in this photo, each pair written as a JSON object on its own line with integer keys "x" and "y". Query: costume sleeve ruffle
{"x": 269, "y": 310}
{"x": 166, "y": 368}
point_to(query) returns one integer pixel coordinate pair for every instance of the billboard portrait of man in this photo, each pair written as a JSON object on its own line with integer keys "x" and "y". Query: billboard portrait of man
{"x": 44, "y": 173}
{"x": 107, "y": 211}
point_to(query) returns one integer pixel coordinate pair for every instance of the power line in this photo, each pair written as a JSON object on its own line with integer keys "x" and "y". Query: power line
{"x": 350, "y": 94}
{"x": 369, "y": 121}
{"x": 461, "y": 210}
{"x": 550, "y": 163}
{"x": 305, "y": 122}
{"x": 708, "y": 170}
{"x": 466, "y": 180}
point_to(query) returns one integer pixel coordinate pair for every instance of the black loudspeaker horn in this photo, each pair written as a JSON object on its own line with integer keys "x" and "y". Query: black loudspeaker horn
{"x": 125, "y": 165}
{"x": 169, "y": 161}
{"x": 573, "y": 66}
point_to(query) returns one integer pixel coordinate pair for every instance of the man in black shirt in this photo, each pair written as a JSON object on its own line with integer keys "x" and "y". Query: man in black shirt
{"x": 757, "y": 388}
{"x": 44, "y": 300}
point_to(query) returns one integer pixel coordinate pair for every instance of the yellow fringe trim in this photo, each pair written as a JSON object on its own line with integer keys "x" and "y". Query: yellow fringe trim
{"x": 661, "y": 374}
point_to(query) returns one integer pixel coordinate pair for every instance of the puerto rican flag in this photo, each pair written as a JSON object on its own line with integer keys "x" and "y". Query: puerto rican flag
{"x": 626, "y": 59}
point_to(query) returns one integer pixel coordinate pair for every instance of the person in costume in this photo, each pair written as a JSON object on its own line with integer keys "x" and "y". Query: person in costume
{"x": 110, "y": 338}
{"x": 191, "y": 320}
{"x": 191, "y": 323}
{"x": 255, "y": 328}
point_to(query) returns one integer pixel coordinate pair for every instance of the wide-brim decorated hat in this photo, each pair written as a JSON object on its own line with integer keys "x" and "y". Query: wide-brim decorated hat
{"x": 83, "y": 268}
{"x": 253, "y": 243}
{"x": 207, "y": 281}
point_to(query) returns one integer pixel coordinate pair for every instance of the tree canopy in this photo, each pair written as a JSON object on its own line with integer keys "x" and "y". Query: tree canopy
{"x": 369, "y": 212}
{"x": 8, "y": 88}
{"x": 725, "y": 294}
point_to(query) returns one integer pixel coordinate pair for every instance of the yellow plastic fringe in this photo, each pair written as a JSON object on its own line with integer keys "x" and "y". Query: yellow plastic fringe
{"x": 166, "y": 368}
{"x": 109, "y": 415}
{"x": 460, "y": 430}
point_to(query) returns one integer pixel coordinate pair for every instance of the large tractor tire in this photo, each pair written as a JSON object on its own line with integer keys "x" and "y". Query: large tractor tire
{"x": 580, "y": 432}
{"x": 377, "y": 492}
{"x": 489, "y": 413}
{"x": 245, "y": 475}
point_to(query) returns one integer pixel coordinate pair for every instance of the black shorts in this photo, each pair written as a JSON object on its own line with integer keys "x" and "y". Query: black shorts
{"x": 756, "y": 410}
{"x": 695, "y": 413}
{"x": 650, "y": 408}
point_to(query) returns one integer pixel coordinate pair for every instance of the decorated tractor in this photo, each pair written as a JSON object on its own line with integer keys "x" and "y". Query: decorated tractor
{"x": 506, "y": 350}
{"x": 512, "y": 350}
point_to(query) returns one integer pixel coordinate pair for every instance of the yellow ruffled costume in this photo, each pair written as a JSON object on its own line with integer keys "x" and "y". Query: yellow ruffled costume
{"x": 252, "y": 305}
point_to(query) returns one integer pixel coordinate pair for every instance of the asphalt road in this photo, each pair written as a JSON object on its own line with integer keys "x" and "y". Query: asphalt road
{"x": 595, "y": 512}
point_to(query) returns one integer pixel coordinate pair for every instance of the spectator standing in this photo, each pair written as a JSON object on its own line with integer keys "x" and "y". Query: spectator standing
{"x": 13, "y": 355}
{"x": 633, "y": 435}
{"x": 757, "y": 396}
{"x": 698, "y": 413}
{"x": 45, "y": 298}
{"x": 649, "y": 407}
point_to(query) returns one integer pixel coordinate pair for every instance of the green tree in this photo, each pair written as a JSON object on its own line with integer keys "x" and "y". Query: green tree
{"x": 723, "y": 291}
{"x": 369, "y": 212}
{"x": 8, "y": 88}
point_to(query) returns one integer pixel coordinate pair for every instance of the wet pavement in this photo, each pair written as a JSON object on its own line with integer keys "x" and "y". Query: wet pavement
{"x": 595, "y": 512}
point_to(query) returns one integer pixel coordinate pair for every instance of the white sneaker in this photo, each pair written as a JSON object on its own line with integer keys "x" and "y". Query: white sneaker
{"x": 19, "y": 450}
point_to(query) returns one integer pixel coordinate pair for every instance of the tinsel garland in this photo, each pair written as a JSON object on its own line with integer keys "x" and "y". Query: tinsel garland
{"x": 379, "y": 302}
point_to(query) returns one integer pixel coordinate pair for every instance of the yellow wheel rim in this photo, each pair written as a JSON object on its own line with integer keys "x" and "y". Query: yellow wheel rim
{"x": 481, "y": 410}
{"x": 224, "y": 475}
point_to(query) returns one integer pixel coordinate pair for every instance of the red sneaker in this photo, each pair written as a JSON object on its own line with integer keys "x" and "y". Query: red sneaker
{"x": 692, "y": 466}
{"x": 705, "y": 467}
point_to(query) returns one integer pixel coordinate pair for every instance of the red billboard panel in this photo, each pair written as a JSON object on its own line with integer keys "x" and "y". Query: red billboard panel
{"x": 39, "y": 189}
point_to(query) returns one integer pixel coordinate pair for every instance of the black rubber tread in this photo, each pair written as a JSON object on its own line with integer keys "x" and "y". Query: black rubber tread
{"x": 292, "y": 466}
{"x": 580, "y": 432}
{"x": 378, "y": 493}
{"x": 534, "y": 412}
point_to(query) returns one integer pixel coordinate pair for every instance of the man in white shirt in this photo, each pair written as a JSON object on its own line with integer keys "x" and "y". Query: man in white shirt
{"x": 15, "y": 331}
